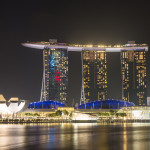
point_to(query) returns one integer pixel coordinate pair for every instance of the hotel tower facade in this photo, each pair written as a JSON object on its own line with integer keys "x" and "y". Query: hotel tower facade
{"x": 55, "y": 75}
{"x": 133, "y": 68}
{"x": 94, "y": 71}
{"x": 94, "y": 76}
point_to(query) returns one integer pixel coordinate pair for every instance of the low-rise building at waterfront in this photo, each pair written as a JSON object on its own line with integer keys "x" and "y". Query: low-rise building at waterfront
{"x": 138, "y": 112}
{"x": 13, "y": 106}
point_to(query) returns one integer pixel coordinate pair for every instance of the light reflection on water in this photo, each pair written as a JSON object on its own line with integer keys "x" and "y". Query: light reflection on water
{"x": 124, "y": 137}
{"x": 69, "y": 136}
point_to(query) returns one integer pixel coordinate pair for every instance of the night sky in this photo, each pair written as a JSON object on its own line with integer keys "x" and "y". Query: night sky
{"x": 70, "y": 22}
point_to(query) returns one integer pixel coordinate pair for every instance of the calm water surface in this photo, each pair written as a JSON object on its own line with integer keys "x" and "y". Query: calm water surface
{"x": 68, "y": 136}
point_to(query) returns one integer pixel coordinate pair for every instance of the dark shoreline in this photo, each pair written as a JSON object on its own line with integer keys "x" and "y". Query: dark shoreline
{"x": 76, "y": 121}
{"x": 36, "y": 122}
{"x": 125, "y": 121}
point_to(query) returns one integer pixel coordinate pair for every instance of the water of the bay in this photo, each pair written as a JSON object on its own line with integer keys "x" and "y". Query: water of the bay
{"x": 69, "y": 136}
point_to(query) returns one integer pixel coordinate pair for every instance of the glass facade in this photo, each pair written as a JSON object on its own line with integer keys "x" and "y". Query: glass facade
{"x": 133, "y": 65}
{"x": 94, "y": 75}
{"x": 55, "y": 80}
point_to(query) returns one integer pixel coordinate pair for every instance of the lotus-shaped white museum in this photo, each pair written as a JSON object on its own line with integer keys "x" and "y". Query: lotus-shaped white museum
{"x": 14, "y": 105}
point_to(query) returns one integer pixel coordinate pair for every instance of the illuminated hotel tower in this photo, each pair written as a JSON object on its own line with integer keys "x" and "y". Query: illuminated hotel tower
{"x": 94, "y": 71}
{"x": 133, "y": 67}
{"x": 94, "y": 75}
{"x": 55, "y": 74}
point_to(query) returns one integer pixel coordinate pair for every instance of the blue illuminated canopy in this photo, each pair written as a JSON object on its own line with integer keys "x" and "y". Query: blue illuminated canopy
{"x": 106, "y": 104}
{"x": 48, "y": 104}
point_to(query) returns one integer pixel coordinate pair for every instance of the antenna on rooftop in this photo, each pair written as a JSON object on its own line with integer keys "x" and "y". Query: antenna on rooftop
{"x": 52, "y": 41}
{"x": 131, "y": 42}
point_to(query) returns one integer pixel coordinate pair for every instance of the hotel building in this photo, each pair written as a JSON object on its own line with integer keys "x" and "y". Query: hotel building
{"x": 94, "y": 75}
{"x": 55, "y": 74}
{"x": 133, "y": 68}
{"x": 94, "y": 71}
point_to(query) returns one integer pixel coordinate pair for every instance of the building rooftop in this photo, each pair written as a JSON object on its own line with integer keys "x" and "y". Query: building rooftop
{"x": 14, "y": 99}
{"x": 78, "y": 47}
{"x": 2, "y": 99}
